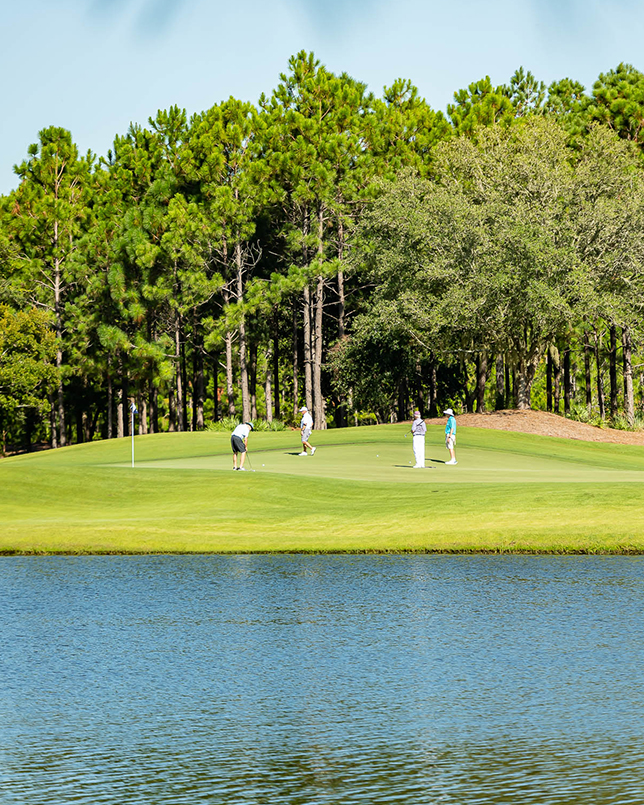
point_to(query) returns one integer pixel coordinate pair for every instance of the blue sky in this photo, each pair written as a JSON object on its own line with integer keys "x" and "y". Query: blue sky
{"x": 93, "y": 66}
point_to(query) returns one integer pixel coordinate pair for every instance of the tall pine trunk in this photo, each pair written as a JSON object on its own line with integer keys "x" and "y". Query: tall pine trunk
{"x": 215, "y": 387}
{"x": 62, "y": 436}
{"x": 228, "y": 340}
{"x": 52, "y": 423}
{"x": 275, "y": 356}
{"x": 110, "y": 401}
{"x": 612, "y": 355}
{"x": 198, "y": 384}
{"x": 556, "y": 375}
{"x": 420, "y": 402}
{"x": 120, "y": 417}
{"x": 587, "y": 374}
{"x": 567, "y": 384}
{"x": 500, "y": 385}
{"x": 433, "y": 387}
{"x": 267, "y": 387}
{"x": 253, "y": 382}
{"x": 629, "y": 400}
{"x": 600, "y": 384}
{"x": 308, "y": 348}
{"x": 319, "y": 401}
{"x": 296, "y": 390}
{"x": 481, "y": 378}
{"x": 178, "y": 374}
{"x": 243, "y": 360}
{"x": 184, "y": 384}
{"x": 228, "y": 346}
{"x": 342, "y": 403}
{"x": 154, "y": 407}
{"x": 548, "y": 382}
{"x": 143, "y": 415}
{"x": 172, "y": 411}
{"x": 230, "y": 380}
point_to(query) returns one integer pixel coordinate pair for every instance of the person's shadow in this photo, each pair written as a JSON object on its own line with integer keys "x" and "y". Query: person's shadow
{"x": 410, "y": 467}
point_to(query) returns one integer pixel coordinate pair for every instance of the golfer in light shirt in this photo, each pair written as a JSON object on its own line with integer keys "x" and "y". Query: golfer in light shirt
{"x": 238, "y": 442}
{"x": 306, "y": 426}
{"x": 418, "y": 429}
{"x": 450, "y": 435}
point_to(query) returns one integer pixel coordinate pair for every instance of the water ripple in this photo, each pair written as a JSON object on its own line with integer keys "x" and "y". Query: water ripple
{"x": 321, "y": 680}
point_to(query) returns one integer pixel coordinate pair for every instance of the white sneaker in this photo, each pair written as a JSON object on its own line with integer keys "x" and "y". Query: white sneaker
{"x": 313, "y": 449}
{"x": 452, "y": 461}
{"x": 418, "y": 467}
{"x": 302, "y": 454}
{"x": 242, "y": 469}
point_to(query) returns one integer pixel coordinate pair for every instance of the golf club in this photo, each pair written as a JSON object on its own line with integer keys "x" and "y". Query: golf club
{"x": 250, "y": 466}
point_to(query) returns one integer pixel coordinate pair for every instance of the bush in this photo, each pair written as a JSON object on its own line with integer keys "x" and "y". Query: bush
{"x": 621, "y": 423}
{"x": 229, "y": 423}
{"x": 580, "y": 414}
{"x": 263, "y": 425}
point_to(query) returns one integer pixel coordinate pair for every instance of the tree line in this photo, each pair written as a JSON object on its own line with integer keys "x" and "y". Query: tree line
{"x": 361, "y": 255}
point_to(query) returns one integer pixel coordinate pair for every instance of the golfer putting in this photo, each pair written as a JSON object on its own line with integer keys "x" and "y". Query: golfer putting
{"x": 306, "y": 426}
{"x": 239, "y": 443}
{"x": 450, "y": 435}
{"x": 418, "y": 430}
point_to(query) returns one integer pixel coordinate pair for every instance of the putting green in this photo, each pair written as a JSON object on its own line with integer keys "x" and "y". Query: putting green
{"x": 509, "y": 492}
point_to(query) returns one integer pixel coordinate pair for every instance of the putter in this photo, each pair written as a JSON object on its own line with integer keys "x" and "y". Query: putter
{"x": 250, "y": 466}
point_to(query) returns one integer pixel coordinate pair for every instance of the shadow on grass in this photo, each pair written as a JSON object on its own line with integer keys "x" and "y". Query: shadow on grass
{"x": 410, "y": 467}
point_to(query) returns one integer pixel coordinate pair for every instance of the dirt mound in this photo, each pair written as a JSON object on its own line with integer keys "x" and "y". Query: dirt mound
{"x": 544, "y": 424}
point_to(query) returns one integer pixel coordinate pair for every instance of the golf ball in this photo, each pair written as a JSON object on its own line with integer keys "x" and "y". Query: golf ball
{"x": 263, "y": 465}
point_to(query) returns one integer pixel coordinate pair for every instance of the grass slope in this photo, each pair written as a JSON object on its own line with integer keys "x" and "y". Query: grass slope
{"x": 509, "y": 492}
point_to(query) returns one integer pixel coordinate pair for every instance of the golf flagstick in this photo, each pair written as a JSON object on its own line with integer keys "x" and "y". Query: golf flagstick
{"x": 133, "y": 410}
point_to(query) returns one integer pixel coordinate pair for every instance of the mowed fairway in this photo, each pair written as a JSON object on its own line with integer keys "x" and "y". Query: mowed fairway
{"x": 509, "y": 492}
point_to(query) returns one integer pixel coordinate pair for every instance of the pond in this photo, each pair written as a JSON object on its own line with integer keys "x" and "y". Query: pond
{"x": 321, "y": 679}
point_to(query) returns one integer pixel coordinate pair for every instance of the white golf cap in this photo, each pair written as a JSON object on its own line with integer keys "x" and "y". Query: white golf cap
{"x": 448, "y": 411}
{"x": 303, "y": 409}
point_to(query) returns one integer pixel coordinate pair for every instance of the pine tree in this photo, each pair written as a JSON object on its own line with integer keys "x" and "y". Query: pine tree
{"x": 46, "y": 215}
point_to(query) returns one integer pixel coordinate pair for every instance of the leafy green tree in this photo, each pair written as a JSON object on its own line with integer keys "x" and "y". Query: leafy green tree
{"x": 44, "y": 218}
{"x": 484, "y": 258}
{"x": 618, "y": 102}
{"x": 311, "y": 143}
{"x": 608, "y": 218}
{"x": 481, "y": 104}
{"x": 565, "y": 97}
{"x": 28, "y": 350}
{"x": 231, "y": 180}
{"x": 526, "y": 93}
{"x": 402, "y": 130}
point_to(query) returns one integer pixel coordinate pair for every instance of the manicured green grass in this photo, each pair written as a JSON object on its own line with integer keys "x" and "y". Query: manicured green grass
{"x": 509, "y": 492}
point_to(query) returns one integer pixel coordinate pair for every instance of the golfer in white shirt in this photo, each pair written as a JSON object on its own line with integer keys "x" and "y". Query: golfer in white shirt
{"x": 418, "y": 429}
{"x": 238, "y": 442}
{"x": 306, "y": 426}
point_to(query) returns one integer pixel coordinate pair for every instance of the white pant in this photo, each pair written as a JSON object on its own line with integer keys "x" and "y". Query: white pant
{"x": 418, "y": 443}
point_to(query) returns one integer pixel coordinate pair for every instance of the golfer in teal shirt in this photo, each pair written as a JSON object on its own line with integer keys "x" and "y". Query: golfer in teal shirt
{"x": 450, "y": 435}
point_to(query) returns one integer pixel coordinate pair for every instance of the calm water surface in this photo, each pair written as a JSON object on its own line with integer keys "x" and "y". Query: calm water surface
{"x": 321, "y": 680}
